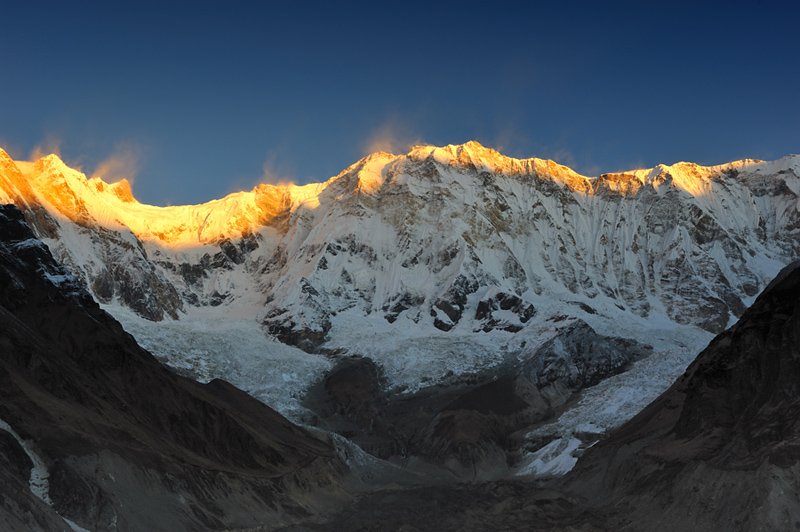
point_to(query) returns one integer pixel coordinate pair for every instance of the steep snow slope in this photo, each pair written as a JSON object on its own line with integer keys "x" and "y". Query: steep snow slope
{"x": 436, "y": 263}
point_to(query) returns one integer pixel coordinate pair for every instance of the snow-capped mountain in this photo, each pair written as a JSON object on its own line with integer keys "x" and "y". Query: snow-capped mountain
{"x": 458, "y": 237}
{"x": 435, "y": 263}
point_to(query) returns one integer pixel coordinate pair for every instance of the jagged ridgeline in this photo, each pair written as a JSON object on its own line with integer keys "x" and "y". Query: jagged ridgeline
{"x": 459, "y": 238}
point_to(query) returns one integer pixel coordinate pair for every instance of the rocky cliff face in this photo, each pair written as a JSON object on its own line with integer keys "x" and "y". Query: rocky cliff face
{"x": 95, "y": 431}
{"x": 463, "y": 238}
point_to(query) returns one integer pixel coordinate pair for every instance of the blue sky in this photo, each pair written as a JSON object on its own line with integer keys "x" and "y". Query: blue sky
{"x": 197, "y": 99}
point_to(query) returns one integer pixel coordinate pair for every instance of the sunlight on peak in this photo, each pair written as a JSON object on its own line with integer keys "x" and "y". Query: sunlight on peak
{"x": 69, "y": 193}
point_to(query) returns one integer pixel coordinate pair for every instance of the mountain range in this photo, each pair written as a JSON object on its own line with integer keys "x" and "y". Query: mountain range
{"x": 452, "y": 313}
{"x": 429, "y": 237}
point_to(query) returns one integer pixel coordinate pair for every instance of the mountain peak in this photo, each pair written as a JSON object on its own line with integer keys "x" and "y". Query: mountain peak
{"x": 7, "y": 163}
{"x": 471, "y": 149}
{"x": 51, "y": 165}
{"x": 76, "y": 196}
{"x": 473, "y": 146}
{"x": 122, "y": 189}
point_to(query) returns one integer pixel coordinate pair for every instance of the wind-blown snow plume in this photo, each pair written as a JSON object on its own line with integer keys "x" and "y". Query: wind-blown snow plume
{"x": 123, "y": 163}
{"x": 392, "y": 136}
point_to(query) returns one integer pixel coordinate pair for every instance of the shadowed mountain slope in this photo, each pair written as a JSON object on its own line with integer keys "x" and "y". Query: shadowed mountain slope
{"x": 117, "y": 440}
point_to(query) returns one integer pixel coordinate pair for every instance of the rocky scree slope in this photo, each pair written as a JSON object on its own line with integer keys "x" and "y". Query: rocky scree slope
{"x": 94, "y": 429}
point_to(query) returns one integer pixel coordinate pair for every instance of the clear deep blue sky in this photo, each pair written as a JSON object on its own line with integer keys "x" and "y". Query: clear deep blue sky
{"x": 199, "y": 97}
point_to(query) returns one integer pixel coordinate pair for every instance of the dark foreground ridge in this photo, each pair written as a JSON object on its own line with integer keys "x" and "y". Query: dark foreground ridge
{"x": 719, "y": 450}
{"x": 128, "y": 444}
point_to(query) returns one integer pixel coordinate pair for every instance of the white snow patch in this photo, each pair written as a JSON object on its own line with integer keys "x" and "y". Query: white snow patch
{"x": 554, "y": 459}
{"x": 58, "y": 279}
{"x": 74, "y": 526}
{"x": 27, "y": 244}
{"x": 39, "y": 483}
{"x": 414, "y": 357}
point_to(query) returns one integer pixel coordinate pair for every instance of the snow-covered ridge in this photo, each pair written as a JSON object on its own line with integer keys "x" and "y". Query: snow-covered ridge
{"x": 388, "y": 198}
{"x": 412, "y": 225}
{"x": 113, "y": 205}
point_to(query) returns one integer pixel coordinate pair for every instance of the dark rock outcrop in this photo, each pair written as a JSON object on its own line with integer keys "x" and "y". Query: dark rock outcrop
{"x": 577, "y": 358}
